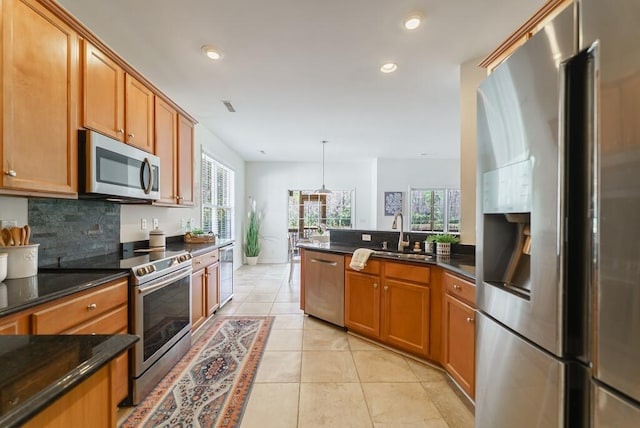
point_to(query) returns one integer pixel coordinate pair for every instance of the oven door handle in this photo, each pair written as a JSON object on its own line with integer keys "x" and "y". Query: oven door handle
{"x": 164, "y": 282}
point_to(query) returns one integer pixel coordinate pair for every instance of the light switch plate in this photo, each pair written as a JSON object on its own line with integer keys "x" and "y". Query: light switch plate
{"x": 8, "y": 223}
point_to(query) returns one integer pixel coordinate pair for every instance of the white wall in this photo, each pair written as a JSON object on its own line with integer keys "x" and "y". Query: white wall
{"x": 170, "y": 219}
{"x": 268, "y": 183}
{"x": 470, "y": 77}
{"x": 14, "y": 209}
{"x": 396, "y": 175}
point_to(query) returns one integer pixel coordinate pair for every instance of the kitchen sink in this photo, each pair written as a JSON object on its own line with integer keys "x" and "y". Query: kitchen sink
{"x": 405, "y": 256}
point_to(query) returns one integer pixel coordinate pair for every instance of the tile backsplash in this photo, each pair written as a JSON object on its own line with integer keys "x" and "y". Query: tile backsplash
{"x": 73, "y": 229}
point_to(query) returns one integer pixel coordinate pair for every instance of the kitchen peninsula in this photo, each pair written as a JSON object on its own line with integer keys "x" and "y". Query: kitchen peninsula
{"x": 414, "y": 302}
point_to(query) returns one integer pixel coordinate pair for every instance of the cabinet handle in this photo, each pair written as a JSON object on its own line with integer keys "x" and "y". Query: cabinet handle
{"x": 326, "y": 262}
{"x": 14, "y": 401}
{"x": 91, "y": 307}
{"x": 375, "y": 285}
{"x": 198, "y": 262}
{"x": 386, "y": 287}
{"x": 456, "y": 287}
{"x": 178, "y": 197}
{"x": 120, "y": 131}
{"x": 131, "y": 135}
{"x": 470, "y": 320}
{"x": 11, "y": 173}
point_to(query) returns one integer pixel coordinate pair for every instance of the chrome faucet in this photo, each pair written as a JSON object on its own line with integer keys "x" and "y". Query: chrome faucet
{"x": 401, "y": 242}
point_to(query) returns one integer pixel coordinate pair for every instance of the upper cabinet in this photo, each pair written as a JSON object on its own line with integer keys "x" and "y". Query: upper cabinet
{"x": 545, "y": 14}
{"x": 39, "y": 101}
{"x": 103, "y": 90}
{"x": 116, "y": 103}
{"x": 166, "y": 126}
{"x": 138, "y": 114}
{"x": 185, "y": 161}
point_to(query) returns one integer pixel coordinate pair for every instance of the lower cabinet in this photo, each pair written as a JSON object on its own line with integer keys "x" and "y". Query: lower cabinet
{"x": 86, "y": 405}
{"x": 99, "y": 310}
{"x": 198, "y": 302}
{"x": 205, "y": 287}
{"x": 459, "y": 330}
{"x": 390, "y": 301}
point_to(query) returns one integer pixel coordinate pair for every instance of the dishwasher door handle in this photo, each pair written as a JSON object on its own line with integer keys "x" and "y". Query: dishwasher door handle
{"x": 326, "y": 262}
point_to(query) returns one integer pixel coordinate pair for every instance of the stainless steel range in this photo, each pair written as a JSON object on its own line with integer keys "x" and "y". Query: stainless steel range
{"x": 160, "y": 313}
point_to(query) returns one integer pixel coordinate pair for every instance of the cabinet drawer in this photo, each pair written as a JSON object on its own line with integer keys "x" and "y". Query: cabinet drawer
{"x": 65, "y": 315}
{"x": 205, "y": 259}
{"x": 408, "y": 272}
{"x": 372, "y": 266}
{"x": 110, "y": 323}
{"x": 459, "y": 287}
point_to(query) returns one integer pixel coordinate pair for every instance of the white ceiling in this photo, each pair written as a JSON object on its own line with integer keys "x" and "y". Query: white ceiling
{"x": 301, "y": 71}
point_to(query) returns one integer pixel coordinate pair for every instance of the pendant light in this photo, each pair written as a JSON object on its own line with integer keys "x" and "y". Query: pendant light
{"x": 323, "y": 190}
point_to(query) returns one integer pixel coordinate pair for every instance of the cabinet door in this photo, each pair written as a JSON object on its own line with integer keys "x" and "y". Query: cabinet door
{"x": 139, "y": 102}
{"x": 39, "y": 99}
{"x": 198, "y": 309}
{"x": 405, "y": 316}
{"x": 459, "y": 342}
{"x": 185, "y": 161}
{"x": 103, "y": 93}
{"x": 362, "y": 303}
{"x": 213, "y": 291}
{"x": 166, "y": 125}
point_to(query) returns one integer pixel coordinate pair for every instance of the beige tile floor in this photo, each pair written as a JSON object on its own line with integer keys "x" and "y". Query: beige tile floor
{"x": 313, "y": 374}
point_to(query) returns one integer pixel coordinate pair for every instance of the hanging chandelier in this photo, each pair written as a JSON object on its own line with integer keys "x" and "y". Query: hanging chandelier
{"x": 323, "y": 190}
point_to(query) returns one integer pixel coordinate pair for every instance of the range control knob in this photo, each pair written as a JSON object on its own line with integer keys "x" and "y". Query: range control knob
{"x": 141, "y": 271}
{"x": 151, "y": 268}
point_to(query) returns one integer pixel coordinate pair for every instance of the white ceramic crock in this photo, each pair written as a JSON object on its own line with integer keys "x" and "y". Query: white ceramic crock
{"x": 22, "y": 260}
{"x": 157, "y": 239}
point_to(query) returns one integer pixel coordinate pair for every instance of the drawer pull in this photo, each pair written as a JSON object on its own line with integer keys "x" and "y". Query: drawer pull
{"x": 326, "y": 262}
{"x": 11, "y": 173}
{"x": 470, "y": 320}
{"x": 386, "y": 287}
{"x": 92, "y": 307}
{"x": 375, "y": 285}
{"x": 14, "y": 401}
{"x": 456, "y": 287}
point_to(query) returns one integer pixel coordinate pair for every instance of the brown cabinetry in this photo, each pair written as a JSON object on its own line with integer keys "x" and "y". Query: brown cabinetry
{"x": 390, "y": 301}
{"x": 99, "y": 310}
{"x": 174, "y": 146}
{"x": 103, "y": 92}
{"x": 185, "y": 161}
{"x": 114, "y": 102}
{"x": 39, "y": 97}
{"x": 205, "y": 290}
{"x": 459, "y": 331}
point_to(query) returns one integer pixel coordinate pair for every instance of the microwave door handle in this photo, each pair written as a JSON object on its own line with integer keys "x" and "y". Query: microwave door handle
{"x": 148, "y": 186}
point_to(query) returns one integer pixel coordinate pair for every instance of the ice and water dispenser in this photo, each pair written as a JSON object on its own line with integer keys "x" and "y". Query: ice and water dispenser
{"x": 507, "y": 227}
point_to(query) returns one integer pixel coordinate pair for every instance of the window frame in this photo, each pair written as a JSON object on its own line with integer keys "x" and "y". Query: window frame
{"x": 445, "y": 208}
{"x": 212, "y": 204}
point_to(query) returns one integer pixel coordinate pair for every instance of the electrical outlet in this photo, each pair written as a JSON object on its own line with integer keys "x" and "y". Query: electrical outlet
{"x": 143, "y": 223}
{"x": 8, "y": 223}
{"x": 183, "y": 223}
{"x": 155, "y": 223}
{"x": 366, "y": 237}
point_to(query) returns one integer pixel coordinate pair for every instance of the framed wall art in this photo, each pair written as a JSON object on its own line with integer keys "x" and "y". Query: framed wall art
{"x": 392, "y": 203}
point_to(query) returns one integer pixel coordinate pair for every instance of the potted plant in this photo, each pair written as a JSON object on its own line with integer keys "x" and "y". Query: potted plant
{"x": 430, "y": 244}
{"x": 252, "y": 234}
{"x": 443, "y": 243}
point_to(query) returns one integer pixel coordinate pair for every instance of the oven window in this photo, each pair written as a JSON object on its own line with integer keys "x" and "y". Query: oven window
{"x": 166, "y": 313}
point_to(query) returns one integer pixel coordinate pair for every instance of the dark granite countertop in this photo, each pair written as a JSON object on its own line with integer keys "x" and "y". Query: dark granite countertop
{"x": 37, "y": 370}
{"x": 461, "y": 264}
{"x": 197, "y": 249}
{"x": 22, "y": 293}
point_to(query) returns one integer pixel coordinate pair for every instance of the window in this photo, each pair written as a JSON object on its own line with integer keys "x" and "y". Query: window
{"x": 435, "y": 210}
{"x": 217, "y": 198}
{"x": 307, "y": 210}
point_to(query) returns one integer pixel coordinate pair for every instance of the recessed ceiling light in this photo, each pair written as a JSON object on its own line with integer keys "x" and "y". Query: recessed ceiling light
{"x": 389, "y": 67}
{"x": 413, "y": 21}
{"x": 212, "y": 52}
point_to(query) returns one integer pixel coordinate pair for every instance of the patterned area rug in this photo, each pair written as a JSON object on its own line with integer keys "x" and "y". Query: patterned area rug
{"x": 210, "y": 385}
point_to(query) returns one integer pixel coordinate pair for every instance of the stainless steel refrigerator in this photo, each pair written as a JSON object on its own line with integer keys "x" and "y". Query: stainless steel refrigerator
{"x": 558, "y": 241}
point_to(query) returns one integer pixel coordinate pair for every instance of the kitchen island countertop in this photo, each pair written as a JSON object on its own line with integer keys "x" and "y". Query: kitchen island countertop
{"x": 39, "y": 369}
{"x": 462, "y": 264}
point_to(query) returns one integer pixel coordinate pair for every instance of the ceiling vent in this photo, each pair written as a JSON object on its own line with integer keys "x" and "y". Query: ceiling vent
{"x": 229, "y": 106}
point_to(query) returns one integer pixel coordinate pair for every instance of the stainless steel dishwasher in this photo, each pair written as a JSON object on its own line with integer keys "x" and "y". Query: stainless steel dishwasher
{"x": 324, "y": 286}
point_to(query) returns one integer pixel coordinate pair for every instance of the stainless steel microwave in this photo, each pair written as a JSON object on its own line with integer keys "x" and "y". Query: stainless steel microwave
{"x": 110, "y": 169}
